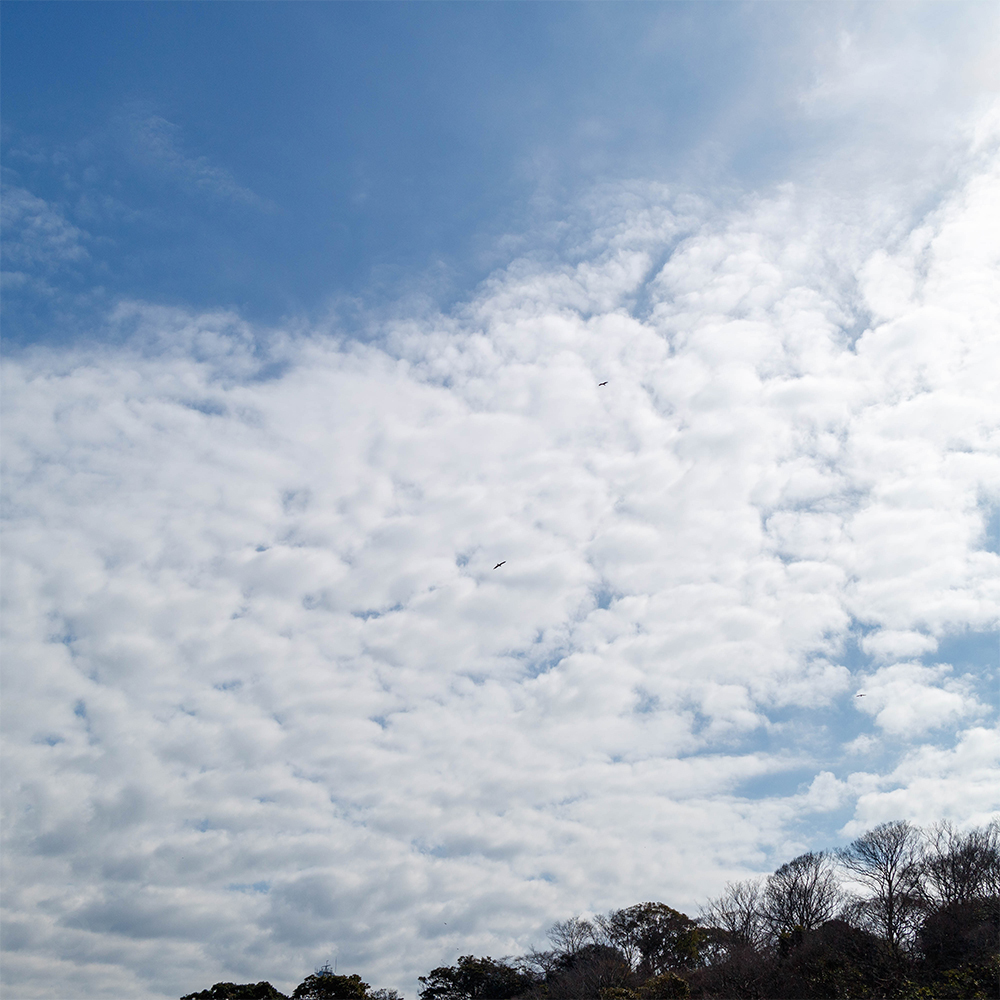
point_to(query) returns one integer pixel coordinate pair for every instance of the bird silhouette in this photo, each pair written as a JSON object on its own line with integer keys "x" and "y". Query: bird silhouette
{"x": 859, "y": 696}
{"x": 599, "y": 384}
{"x": 499, "y": 564}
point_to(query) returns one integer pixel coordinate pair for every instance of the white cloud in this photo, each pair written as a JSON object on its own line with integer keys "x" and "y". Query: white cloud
{"x": 933, "y": 783}
{"x": 255, "y": 637}
{"x": 892, "y": 644}
{"x": 826, "y": 793}
{"x": 154, "y": 143}
{"x": 896, "y": 92}
{"x": 908, "y": 699}
{"x": 38, "y": 240}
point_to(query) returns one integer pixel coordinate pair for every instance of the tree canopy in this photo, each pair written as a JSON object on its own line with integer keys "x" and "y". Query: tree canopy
{"x": 238, "y": 991}
{"x": 326, "y": 985}
{"x": 475, "y": 979}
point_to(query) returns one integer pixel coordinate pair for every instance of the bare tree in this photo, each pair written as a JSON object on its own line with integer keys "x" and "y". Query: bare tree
{"x": 570, "y": 936}
{"x": 738, "y": 914}
{"x": 960, "y": 867}
{"x": 993, "y": 877}
{"x": 887, "y": 861}
{"x": 803, "y": 893}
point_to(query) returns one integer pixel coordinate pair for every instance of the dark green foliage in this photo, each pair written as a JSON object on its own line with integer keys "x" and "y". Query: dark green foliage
{"x": 959, "y": 945}
{"x": 958, "y": 934}
{"x": 973, "y": 982}
{"x": 836, "y": 960}
{"x": 839, "y": 962}
{"x": 669, "y": 986}
{"x": 475, "y": 978}
{"x": 324, "y": 985}
{"x": 653, "y": 937}
{"x": 833, "y": 961}
{"x": 238, "y": 991}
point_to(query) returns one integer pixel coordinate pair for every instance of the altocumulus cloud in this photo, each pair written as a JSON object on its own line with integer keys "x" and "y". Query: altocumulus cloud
{"x": 268, "y": 701}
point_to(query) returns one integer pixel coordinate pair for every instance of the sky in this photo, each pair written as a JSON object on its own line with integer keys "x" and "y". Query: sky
{"x": 306, "y": 311}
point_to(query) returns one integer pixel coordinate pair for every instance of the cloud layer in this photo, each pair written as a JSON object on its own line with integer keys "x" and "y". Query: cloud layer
{"x": 275, "y": 705}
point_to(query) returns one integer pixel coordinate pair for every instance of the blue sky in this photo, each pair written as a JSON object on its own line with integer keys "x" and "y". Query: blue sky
{"x": 306, "y": 310}
{"x": 317, "y": 150}
{"x": 270, "y": 157}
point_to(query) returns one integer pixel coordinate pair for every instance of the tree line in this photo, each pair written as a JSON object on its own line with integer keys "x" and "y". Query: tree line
{"x": 901, "y": 912}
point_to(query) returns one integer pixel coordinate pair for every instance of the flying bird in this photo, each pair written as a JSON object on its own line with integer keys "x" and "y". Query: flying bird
{"x": 859, "y": 696}
{"x": 599, "y": 384}
{"x": 499, "y": 564}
